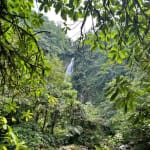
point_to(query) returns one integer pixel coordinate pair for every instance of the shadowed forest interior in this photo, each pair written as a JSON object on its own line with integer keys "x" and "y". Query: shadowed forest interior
{"x": 92, "y": 93}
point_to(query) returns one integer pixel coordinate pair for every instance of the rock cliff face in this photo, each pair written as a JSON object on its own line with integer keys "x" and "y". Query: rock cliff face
{"x": 73, "y": 147}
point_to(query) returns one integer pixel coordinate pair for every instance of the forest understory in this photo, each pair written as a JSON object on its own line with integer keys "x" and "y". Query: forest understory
{"x": 92, "y": 93}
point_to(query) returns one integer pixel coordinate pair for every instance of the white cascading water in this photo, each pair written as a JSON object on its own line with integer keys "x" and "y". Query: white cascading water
{"x": 69, "y": 69}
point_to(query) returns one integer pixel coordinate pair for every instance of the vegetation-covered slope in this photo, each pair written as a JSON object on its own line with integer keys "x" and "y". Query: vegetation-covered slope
{"x": 107, "y": 103}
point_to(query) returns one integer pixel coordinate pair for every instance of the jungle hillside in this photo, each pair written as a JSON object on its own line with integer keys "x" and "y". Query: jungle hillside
{"x": 92, "y": 93}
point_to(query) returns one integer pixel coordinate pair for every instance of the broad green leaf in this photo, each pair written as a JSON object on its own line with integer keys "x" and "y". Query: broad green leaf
{"x": 27, "y": 115}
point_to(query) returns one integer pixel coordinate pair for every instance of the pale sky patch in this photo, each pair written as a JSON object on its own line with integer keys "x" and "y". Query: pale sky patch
{"x": 75, "y": 27}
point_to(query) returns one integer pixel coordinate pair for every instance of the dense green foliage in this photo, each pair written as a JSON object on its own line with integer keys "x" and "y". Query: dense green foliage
{"x": 91, "y": 73}
{"x": 104, "y": 104}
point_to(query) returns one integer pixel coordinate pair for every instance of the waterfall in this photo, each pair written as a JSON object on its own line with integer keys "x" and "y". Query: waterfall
{"x": 69, "y": 69}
